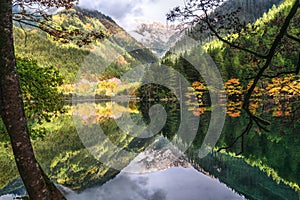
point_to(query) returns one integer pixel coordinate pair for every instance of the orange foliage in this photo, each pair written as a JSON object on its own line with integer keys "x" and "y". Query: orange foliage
{"x": 199, "y": 86}
{"x": 278, "y": 113}
{"x": 233, "y": 87}
{"x": 233, "y": 81}
{"x": 234, "y": 108}
{"x": 281, "y": 110}
{"x": 199, "y": 111}
{"x": 289, "y": 85}
{"x": 253, "y": 107}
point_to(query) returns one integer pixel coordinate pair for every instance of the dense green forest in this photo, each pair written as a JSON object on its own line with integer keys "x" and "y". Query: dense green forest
{"x": 234, "y": 63}
{"x": 52, "y": 72}
{"x": 245, "y": 11}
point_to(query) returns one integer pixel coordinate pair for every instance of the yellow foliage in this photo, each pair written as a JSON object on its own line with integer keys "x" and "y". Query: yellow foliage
{"x": 233, "y": 87}
{"x": 288, "y": 85}
{"x": 234, "y": 108}
{"x": 121, "y": 60}
{"x": 253, "y": 107}
{"x": 67, "y": 89}
{"x": 94, "y": 113}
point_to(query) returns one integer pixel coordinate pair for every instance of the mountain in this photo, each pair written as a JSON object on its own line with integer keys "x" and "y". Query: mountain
{"x": 236, "y": 64}
{"x": 156, "y": 36}
{"x": 107, "y": 58}
{"x": 160, "y": 37}
{"x": 249, "y": 12}
{"x": 229, "y": 67}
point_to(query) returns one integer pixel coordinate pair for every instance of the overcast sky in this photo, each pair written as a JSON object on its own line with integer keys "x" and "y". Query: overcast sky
{"x": 170, "y": 184}
{"x": 129, "y": 13}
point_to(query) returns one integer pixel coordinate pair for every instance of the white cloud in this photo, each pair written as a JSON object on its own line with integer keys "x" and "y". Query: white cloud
{"x": 129, "y": 13}
{"x": 170, "y": 184}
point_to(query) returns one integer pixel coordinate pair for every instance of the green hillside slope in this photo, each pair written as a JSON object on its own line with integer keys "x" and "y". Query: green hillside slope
{"x": 69, "y": 58}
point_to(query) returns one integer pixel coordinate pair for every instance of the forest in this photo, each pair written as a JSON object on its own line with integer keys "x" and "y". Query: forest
{"x": 83, "y": 102}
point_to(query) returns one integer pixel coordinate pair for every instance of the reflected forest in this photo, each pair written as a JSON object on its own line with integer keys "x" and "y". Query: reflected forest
{"x": 97, "y": 102}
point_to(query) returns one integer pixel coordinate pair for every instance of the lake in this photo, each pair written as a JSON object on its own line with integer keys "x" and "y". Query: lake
{"x": 105, "y": 151}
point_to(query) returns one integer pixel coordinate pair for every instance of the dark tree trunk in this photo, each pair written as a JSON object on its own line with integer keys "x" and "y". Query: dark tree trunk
{"x": 37, "y": 184}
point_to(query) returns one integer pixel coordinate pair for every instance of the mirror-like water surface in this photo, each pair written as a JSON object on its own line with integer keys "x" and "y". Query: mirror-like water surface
{"x": 268, "y": 167}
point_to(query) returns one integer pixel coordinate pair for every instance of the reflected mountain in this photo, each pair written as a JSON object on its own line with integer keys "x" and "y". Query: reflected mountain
{"x": 154, "y": 168}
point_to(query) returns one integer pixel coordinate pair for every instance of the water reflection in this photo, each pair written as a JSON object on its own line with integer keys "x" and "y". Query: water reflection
{"x": 270, "y": 159}
{"x": 268, "y": 168}
{"x": 170, "y": 184}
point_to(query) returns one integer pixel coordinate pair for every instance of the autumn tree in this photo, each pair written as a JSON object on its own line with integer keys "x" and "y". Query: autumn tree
{"x": 230, "y": 29}
{"x": 31, "y": 13}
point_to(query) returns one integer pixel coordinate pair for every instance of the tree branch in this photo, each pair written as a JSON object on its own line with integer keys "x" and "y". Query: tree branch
{"x": 208, "y": 24}
{"x": 35, "y": 13}
{"x": 271, "y": 53}
{"x": 246, "y": 131}
{"x": 279, "y": 74}
{"x": 293, "y": 37}
{"x": 85, "y": 38}
{"x": 229, "y": 43}
{"x": 26, "y": 36}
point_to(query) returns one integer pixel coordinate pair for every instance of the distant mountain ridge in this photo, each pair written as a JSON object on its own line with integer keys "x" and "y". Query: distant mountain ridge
{"x": 157, "y": 36}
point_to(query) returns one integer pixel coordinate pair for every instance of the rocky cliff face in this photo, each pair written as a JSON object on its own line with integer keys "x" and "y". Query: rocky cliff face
{"x": 159, "y": 156}
{"x": 157, "y": 36}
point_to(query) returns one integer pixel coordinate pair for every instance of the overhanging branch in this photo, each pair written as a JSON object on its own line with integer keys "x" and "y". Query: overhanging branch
{"x": 271, "y": 53}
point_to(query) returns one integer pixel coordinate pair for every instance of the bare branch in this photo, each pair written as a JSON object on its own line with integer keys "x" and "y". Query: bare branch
{"x": 206, "y": 22}
{"x": 191, "y": 10}
{"x": 25, "y": 41}
{"x": 271, "y": 53}
{"x": 232, "y": 44}
{"x": 279, "y": 74}
{"x": 293, "y": 37}
{"x": 35, "y": 13}
{"x": 246, "y": 131}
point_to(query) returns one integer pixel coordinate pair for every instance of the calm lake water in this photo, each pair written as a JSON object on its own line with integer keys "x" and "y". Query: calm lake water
{"x": 154, "y": 168}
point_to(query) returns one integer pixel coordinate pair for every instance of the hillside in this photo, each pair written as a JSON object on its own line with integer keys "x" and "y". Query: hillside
{"x": 69, "y": 58}
{"x": 250, "y": 11}
{"x": 238, "y": 64}
{"x": 233, "y": 63}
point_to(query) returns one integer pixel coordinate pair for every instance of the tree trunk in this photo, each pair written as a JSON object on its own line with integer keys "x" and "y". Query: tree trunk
{"x": 37, "y": 184}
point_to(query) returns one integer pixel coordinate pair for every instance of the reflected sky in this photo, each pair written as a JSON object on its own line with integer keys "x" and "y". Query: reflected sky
{"x": 170, "y": 184}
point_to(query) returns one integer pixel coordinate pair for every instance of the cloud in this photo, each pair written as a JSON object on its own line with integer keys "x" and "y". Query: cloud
{"x": 170, "y": 184}
{"x": 116, "y": 8}
{"x": 128, "y": 13}
{"x": 122, "y": 187}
